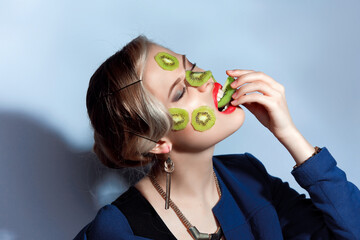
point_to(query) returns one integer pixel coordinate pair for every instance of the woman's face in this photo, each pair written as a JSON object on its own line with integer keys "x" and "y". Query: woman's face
{"x": 171, "y": 88}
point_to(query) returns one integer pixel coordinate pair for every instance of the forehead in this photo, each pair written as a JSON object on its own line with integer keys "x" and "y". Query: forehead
{"x": 157, "y": 80}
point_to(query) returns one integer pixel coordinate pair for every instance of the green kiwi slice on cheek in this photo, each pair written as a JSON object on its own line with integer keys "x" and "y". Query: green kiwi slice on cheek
{"x": 167, "y": 61}
{"x": 180, "y": 118}
{"x": 196, "y": 79}
{"x": 203, "y": 118}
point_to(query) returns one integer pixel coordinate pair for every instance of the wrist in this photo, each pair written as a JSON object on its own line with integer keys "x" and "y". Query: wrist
{"x": 286, "y": 136}
{"x": 317, "y": 150}
{"x": 298, "y": 147}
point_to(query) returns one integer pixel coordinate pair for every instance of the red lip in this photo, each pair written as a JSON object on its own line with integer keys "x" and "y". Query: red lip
{"x": 216, "y": 88}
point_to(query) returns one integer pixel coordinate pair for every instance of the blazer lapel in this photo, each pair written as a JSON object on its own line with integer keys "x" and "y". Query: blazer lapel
{"x": 256, "y": 218}
{"x": 230, "y": 216}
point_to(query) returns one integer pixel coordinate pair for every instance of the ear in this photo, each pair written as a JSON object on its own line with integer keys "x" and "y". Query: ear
{"x": 162, "y": 146}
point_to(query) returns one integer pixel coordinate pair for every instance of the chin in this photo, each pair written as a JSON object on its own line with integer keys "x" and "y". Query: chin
{"x": 230, "y": 123}
{"x": 230, "y": 131}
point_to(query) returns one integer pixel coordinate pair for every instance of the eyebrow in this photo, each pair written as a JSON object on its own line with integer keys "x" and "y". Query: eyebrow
{"x": 178, "y": 79}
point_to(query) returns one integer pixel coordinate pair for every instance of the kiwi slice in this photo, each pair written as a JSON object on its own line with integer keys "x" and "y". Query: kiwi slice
{"x": 197, "y": 79}
{"x": 213, "y": 78}
{"x": 180, "y": 118}
{"x": 203, "y": 118}
{"x": 228, "y": 92}
{"x": 166, "y": 61}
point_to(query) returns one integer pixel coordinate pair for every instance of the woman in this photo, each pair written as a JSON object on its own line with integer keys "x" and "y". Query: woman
{"x": 149, "y": 105}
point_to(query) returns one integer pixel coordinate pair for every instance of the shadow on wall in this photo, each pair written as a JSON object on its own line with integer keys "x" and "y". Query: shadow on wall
{"x": 49, "y": 191}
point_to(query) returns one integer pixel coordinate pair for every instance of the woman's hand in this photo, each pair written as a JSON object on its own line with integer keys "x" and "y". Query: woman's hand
{"x": 265, "y": 98}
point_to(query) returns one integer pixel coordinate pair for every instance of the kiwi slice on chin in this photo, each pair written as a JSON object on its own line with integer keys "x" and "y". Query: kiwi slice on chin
{"x": 203, "y": 118}
{"x": 228, "y": 92}
{"x": 167, "y": 61}
{"x": 180, "y": 118}
{"x": 196, "y": 79}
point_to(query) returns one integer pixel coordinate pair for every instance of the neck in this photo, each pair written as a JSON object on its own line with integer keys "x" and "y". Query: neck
{"x": 192, "y": 178}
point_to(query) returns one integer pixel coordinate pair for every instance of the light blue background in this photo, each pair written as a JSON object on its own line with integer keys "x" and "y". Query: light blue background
{"x": 49, "y": 50}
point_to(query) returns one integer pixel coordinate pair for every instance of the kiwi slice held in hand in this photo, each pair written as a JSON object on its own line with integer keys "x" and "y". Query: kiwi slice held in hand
{"x": 180, "y": 118}
{"x": 166, "y": 61}
{"x": 228, "y": 92}
{"x": 197, "y": 79}
{"x": 203, "y": 118}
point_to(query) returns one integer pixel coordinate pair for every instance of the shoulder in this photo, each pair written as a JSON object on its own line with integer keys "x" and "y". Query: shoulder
{"x": 109, "y": 223}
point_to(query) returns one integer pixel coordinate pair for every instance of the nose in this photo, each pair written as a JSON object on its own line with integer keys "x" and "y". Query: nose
{"x": 205, "y": 87}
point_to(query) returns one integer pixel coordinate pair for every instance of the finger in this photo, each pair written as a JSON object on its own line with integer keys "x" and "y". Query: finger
{"x": 253, "y": 76}
{"x": 237, "y": 72}
{"x": 254, "y": 98}
{"x": 257, "y": 86}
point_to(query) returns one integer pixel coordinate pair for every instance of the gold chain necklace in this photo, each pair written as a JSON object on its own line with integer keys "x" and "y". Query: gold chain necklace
{"x": 193, "y": 231}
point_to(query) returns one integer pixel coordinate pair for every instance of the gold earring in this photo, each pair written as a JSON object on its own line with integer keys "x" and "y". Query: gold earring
{"x": 169, "y": 168}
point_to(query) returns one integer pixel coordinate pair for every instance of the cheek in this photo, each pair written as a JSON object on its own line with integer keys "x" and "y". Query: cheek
{"x": 201, "y": 119}
{"x": 189, "y": 139}
{"x": 201, "y": 133}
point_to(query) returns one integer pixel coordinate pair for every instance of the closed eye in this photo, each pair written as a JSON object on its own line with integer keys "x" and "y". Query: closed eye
{"x": 179, "y": 94}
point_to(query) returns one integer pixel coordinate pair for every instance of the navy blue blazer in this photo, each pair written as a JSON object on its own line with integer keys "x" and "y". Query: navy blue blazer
{"x": 256, "y": 205}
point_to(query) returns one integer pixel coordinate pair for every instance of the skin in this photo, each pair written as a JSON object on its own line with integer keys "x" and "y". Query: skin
{"x": 193, "y": 188}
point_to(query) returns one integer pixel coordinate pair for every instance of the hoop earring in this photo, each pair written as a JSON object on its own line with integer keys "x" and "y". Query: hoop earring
{"x": 169, "y": 167}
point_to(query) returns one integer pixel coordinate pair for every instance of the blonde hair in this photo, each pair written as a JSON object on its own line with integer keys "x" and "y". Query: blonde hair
{"x": 120, "y": 117}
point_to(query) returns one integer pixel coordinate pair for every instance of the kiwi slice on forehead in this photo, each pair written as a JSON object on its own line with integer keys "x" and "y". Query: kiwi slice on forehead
{"x": 167, "y": 61}
{"x": 203, "y": 118}
{"x": 197, "y": 79}
{"x": 180, "y": 118}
